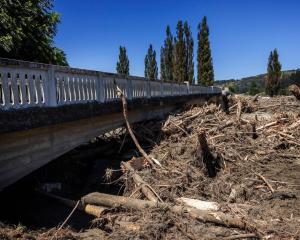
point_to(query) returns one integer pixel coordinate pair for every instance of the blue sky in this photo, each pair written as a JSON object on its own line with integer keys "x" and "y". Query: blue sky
{"x": 242, "y": 32}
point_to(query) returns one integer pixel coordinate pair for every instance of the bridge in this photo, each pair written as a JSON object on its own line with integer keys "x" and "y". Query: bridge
{"x": 47, "y": 110}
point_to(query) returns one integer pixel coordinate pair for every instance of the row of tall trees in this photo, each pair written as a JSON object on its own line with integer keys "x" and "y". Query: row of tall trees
{"x": 177, "y": 57}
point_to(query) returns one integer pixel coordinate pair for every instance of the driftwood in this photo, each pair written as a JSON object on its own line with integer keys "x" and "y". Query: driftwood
{"x": 266, "y": 182}
{"x": 125, "y": 114}
{"x": 146, "y": 189}
{"x": 295, "y": 90}
{"x": 199, "y": 204}
{"x": 112, "y": 201}
{"x": 267, "y": 125}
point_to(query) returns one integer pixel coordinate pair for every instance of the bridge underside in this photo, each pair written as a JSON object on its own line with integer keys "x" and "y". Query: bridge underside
{"x": 33, "y": 137}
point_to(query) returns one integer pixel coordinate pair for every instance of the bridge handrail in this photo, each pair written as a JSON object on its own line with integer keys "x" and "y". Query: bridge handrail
{"x": 28, "y": 84}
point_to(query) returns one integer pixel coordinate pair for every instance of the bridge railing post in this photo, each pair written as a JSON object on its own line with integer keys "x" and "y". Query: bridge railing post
{"x": 129, "y": 88}
{"x": 187, "y": 84}
{"x": 100, "y": 88}
{"x": 148, "y": 88}
{"x": 51, "y": 100}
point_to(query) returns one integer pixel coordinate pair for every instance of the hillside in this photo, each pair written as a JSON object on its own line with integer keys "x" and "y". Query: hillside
{"x": 255, "y": 84}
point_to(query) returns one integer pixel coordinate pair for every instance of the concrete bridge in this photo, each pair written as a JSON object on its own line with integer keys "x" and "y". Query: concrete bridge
{"x": 47, "y": 110}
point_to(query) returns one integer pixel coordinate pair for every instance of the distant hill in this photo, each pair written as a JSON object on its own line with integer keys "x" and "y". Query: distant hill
{"x": 256, "y": 84}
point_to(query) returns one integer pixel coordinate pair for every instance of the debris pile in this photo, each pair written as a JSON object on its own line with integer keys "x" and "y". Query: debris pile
{"x": 208, "y": 174}
{"x": 246, "y": 162}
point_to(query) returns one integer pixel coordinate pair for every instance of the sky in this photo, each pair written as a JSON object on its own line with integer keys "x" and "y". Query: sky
{"x": 242, "y": 32}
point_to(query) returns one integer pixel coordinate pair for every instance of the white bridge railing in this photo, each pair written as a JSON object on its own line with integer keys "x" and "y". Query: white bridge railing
{"x": 27, "y": 84}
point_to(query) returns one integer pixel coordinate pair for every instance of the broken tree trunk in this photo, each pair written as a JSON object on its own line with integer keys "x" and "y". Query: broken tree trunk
{"x": 295, "y": 90}
{"x": 112, "y": 201}
{"x": 211, "y": 160}
{"x": 239, "y": 111}
{"x": 225, "y": 103}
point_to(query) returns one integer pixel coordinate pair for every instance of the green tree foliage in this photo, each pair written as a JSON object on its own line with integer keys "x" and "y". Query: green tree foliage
{"x": 166, "y": 57}
{"x": 179, "y": 54}
{"x": 162, "y": 64}
{"x": 27, "y": 29}
{"x": 273, "y": 75}
{"x": 151, "y": 70}
{"x": 204, "y": 58}
{"x": 123, "y": 63}
{"x": 253, "y": 89}
{"x": 189, "y": 54}
{"x": 295, "y": 77}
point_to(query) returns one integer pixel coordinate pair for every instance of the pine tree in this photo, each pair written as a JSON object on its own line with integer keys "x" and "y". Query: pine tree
{"x": 189, "y": 53}
{"x": 204, "y": 58}
{"x": 123, "y": 63}
{"x": 274, "y": 73}
{"x": 151, "y": 71}
{"x": 179, "y": 54}
{"x": 166, "y": 57}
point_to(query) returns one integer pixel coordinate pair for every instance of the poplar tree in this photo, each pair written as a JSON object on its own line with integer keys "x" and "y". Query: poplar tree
{"x": 123, "y": 63}
{"x": 166, "y": 57}
{"x": 151, "y": 71}
{"x": 273, "y": 75}
{"x": 162, "y": 64}
{"x": 189, "y": 54}
{"x": 179, "y": 54}
{"x": 204, "y": 58}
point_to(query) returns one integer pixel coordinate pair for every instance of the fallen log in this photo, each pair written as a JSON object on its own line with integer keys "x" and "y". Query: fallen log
{"x": 199, "y": 204}
{"x": 93, "y": 210}
{"x": 208, "y": 205}
{"x": 111, "y": 201}
{"x": 295, "y": 90}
